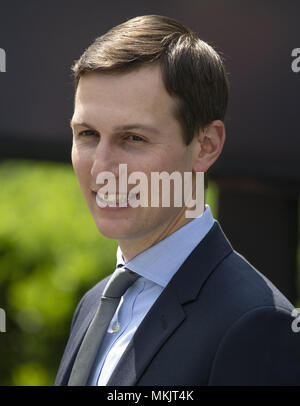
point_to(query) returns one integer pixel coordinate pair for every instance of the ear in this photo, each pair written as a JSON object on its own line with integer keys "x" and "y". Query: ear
{"x": 209, "y": 145}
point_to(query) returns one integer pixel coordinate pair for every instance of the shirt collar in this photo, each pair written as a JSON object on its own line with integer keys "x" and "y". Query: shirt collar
{"x": 161, "y": 261}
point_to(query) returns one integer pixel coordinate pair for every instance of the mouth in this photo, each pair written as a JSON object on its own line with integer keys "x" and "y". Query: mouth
{"x": 114, "y": 200}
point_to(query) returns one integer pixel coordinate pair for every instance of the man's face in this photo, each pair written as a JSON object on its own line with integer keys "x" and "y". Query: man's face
{"x": 129, "y": 120}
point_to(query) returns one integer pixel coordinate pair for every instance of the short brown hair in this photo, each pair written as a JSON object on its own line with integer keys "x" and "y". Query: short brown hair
{"x": 193, "y": 72}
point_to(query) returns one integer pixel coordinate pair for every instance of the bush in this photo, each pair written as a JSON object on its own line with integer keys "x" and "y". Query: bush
{"x": 50, "y": 253}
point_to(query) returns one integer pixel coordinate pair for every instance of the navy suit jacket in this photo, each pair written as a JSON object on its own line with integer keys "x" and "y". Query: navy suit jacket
{"x": 219, "y": 321}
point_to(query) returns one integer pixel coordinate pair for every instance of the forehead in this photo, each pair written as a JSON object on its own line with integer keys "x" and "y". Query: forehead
{"x": 127, "y": 95}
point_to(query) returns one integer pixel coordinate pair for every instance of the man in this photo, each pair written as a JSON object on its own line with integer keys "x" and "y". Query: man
{"x": 151, "y": 95}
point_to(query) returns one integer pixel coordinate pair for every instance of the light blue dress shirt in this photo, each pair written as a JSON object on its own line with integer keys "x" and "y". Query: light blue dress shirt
{"x": 156, "y": 265}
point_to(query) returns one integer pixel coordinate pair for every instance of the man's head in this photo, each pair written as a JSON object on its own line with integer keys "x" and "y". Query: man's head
{"x": 151, "y": 95}
{"x": 193, "y": 72}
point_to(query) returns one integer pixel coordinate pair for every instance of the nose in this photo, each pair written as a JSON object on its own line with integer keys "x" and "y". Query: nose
{"x": 105, "y": 159}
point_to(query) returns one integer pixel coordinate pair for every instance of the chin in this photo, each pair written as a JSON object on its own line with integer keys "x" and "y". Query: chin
{"x": 114, "y": 231}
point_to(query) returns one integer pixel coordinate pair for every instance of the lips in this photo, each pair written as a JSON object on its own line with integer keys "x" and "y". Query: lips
{"x": 114, "y": 200}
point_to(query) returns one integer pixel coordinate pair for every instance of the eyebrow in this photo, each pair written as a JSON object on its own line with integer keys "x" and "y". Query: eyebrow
{"x": 133, "y": 126}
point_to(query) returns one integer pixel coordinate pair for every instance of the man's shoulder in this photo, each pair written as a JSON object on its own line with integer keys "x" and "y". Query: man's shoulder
{"x": 256, "y": 325}
{"x": 242, "y": 284}
{"x": 228, "y": 280}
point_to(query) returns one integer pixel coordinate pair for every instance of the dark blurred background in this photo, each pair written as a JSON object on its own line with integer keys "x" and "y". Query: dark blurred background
{"x": 50, "y": 250}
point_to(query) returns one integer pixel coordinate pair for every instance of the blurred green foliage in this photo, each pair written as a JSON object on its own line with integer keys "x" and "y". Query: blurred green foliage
{"x": 51, "y": 253}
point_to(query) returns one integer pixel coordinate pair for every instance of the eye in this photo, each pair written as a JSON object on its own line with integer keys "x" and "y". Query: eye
{"x": 135, "y": 138}
{"x": 88, "y": 133}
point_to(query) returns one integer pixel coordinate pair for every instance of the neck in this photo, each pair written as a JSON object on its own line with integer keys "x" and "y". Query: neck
{"x": 131, "y": 248}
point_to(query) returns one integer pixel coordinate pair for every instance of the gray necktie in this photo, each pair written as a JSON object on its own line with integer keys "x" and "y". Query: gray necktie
{"x": 120, "y": 280}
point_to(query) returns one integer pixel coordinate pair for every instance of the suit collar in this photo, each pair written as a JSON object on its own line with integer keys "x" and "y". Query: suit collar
{"x": 193, "y": 273}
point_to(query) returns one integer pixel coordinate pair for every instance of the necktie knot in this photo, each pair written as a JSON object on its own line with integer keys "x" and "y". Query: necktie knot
{"x": 118, "y": 283}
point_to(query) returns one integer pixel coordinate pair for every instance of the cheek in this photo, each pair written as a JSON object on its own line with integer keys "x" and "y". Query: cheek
{"x": 81, "y": 164}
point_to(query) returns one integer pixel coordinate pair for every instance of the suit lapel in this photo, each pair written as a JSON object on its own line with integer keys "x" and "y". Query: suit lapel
{"x": 167, "y": 313}
{"x": 164, "y": 317}
{"x": 72, "y": 349}
{"x": 83, "y": 317}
